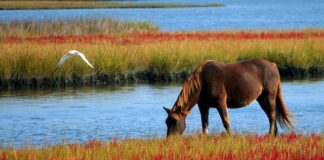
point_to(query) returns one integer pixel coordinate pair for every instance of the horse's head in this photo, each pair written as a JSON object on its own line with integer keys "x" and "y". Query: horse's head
{"x": 176, "y": 121}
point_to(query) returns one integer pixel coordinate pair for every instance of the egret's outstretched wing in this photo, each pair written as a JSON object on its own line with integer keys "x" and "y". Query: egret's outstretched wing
{"x": 71, "y": 54}
{"x": 64, "y": 57}
{"x": 85, "y": 59}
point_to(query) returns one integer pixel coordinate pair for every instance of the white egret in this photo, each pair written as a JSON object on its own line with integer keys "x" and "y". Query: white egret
{"x": 70, "y": 54}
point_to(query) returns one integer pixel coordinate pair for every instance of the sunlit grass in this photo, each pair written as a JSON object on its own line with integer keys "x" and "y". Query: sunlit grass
{"x": 217, "y": 146}
{"x": 89, "y": 4}
{"x": 170, "y": 56}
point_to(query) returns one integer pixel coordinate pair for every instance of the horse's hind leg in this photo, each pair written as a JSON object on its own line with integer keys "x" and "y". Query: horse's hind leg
{"x": 204, "y": 112}
{"x": 222, "y": 110}
{"x": 267, "y": 102}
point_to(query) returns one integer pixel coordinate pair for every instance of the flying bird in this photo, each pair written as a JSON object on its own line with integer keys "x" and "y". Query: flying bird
{"x": 70, "y": 54}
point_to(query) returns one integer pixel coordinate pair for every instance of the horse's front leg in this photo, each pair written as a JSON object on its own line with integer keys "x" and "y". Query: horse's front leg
{"x": 204, "y": 112}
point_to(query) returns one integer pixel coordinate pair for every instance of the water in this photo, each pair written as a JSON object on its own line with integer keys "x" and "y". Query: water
{"x": 77, "y": 115}
{"x": 247, "y": 14}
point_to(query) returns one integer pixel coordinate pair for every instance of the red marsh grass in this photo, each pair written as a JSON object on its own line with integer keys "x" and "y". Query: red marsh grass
{"x": 140, "y": 37}
{"x": 30, "y": 60}
{"x": 217, "y": 146}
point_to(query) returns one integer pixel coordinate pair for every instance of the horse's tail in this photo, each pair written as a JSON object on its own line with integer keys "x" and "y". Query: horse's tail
{"x": 283, "y": 115}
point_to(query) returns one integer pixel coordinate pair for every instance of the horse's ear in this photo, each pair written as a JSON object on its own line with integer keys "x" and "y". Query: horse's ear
{"x": 175, "y": 116}
{"x": 167, "y": 110}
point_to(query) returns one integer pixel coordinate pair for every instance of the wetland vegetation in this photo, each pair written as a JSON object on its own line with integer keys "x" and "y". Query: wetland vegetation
{"x": 239, "y": 146}
{"x": 124, "y": 52}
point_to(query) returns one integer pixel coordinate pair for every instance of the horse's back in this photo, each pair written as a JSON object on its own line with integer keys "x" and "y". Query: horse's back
{"x": 256, "y": 68}
{"x": 242, "y": 81}
{"x": 260, "y": 69}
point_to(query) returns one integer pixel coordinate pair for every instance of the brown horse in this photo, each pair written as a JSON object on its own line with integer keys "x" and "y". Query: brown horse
{"x": 232, "y": 85}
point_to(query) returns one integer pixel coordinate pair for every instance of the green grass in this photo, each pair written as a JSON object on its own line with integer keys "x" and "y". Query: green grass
{"x": 239, "y": 146}
{"x": 88, "y": 4}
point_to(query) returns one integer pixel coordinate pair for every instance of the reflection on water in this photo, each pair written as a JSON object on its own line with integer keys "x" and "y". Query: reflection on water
{"x": 80, "y": 114}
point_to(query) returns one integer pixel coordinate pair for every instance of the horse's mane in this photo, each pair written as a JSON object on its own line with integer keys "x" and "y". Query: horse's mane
{"x": 190, "y": 88}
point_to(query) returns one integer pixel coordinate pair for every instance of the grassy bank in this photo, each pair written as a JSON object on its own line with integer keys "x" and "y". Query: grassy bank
{"x": 136, "y": 51}
{"x": 88, "y": 4}
{"x": 133, "y": 57}
{"x": 246, "y": 146}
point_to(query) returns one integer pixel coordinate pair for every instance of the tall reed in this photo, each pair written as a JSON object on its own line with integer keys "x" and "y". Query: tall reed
{"x": 76, "y": 26}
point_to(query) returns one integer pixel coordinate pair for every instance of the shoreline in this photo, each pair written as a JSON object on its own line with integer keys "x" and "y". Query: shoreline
{"x": 43, "y": 5}
{"x": 129, "y": 78}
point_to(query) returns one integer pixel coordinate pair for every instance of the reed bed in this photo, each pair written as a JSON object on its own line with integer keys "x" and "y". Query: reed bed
{"x": 34, "y": 4}
{"x": 136, "y": 57}
{"x": 239, "y": 146}
{"x": 76, "y": 26}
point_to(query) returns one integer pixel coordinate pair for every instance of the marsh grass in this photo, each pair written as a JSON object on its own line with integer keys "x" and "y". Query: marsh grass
{"x": 215, "y": 146}
{"x": 77, "y": 26}
{"x": 88, "y": 4}
{"x": 27, "y": 64}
